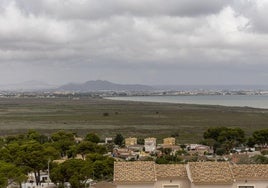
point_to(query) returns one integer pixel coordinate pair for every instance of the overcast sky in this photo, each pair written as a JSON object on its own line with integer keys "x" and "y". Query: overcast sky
{"x": 134, "y": 41}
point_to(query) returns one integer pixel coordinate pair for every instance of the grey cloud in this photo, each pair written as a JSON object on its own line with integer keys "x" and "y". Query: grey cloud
{"x": 132, "y": 41}
{"x": 95, "y": 9}
{"x": 255, "y": 11}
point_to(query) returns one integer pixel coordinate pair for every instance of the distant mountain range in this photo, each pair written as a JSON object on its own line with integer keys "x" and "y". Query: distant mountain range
{"x": 100, "y": 85}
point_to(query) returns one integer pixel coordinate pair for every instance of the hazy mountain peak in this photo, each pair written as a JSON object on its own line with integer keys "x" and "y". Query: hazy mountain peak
{"x": 103, "y": 85}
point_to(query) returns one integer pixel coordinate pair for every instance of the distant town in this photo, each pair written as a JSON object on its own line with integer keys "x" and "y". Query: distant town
{"x": 77, "y": 94}
{"x": 101, "y": 88}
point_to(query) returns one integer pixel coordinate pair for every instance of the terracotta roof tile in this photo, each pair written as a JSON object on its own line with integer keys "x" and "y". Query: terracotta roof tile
{"x": 211, "y": 173}
{"x": 198, "y": 172}
{"x": 171, "y": 170}
{"x": 250, "y": 171}
{"x": 138, "y": 171}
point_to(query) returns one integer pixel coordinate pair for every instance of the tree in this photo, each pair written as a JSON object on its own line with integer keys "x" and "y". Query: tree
{"x": 103, "y": 166}
{"x": 95, "y": 157}
{"x": 261, "y": 136}
{"x": 237, "y": 135}
{"x": 103, "y": 169}
{"x": 140, "y": 141}
{"x": 92, "y": 137}
{"x": 251, "y": 142}
{"x": 119, "y": 139}
{"x": 214, "y": 132}
{"x": 32, "y": 155}
{"x": 225, "y": 138}
{"x": 9, "y": 153}
{"x": 51, "y": 152}
{"x": 220, "y": 151}
{"x": 34, "y": 135}
{"x": 63, "y": 141}
{"x": 9, "y": 173}
{"x": 75, "y": 171}
{"x": 87, "y": 147}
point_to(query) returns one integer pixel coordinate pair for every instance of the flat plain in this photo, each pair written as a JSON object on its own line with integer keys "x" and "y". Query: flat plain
{"x": 109, "y": 117}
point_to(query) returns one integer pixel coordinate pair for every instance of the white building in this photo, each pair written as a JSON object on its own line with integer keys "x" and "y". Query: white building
{"x": 150, "y": 144}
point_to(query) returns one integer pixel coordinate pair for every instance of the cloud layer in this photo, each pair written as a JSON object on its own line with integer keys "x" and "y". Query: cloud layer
{"x": 134, "y": 41}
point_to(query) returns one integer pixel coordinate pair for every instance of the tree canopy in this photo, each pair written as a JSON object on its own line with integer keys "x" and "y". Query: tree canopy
{"x": 225, "y": 138}
{"x": 261, "y": 137}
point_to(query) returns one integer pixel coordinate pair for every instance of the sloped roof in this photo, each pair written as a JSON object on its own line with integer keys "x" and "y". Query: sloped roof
{"x": 210, "y": 173}
{"x": 206, "y": 173}
{"x": 134, "y": 172}
{"x": 250, "y": 171}
{"x": 171, "y": 170}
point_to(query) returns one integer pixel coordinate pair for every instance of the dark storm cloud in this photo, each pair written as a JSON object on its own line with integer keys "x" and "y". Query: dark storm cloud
{"x": 94, "y": 9}
{"x": 134, "y": 41}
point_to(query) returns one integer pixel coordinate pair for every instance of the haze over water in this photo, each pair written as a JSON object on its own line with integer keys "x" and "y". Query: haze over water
{"x": 255, "y": 101}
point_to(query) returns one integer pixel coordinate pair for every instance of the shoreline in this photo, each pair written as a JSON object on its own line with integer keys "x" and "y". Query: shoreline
{"x": 210, "y": 100}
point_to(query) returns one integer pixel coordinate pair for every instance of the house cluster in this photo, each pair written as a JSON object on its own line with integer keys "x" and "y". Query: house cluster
{"x": 134, "y": 151}
{"x": 148, "y": 174}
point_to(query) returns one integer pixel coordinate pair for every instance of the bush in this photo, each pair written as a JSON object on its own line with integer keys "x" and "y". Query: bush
{"x": 264, "y": 152}
{"x": 220, "y": 151}
{"x": 105, "y": 114}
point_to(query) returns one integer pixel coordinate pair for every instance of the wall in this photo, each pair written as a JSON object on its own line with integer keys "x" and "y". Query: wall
{"x": 184, "y": 183}
{"x": 256, "y": 184}
{"x": 136, "y": 186}
{"x": 212, "y": 186}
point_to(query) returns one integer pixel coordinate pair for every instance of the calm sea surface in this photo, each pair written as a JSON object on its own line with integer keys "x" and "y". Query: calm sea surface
{"x": 256, "y": 101}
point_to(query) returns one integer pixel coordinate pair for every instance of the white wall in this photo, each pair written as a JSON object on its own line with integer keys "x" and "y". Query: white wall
{"x": 136, "y": 186}
{"x": 184, "y": 183}
{"x": 256, "y": 184}
{"x": 212, "y": 186}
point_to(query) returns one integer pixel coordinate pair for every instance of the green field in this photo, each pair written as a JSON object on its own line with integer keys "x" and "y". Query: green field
{"x": 107, "y": 117}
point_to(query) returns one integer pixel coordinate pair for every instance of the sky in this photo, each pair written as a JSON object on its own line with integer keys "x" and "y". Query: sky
{"x": 155, "y": 42}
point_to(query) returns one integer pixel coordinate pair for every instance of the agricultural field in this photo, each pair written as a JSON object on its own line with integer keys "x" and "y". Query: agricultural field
{"x": 108, "y": 117}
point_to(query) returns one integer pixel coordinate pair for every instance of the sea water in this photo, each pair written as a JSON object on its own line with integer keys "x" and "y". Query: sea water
{"x": 255, "y": 101}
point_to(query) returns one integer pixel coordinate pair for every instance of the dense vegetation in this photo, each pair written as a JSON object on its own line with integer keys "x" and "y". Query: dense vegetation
{"x": 223, "y": 140}
{"x": 33, "y": 152}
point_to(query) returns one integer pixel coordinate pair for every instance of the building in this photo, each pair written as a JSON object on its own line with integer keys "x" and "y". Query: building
{"x": 44, "y": 181}
{"x": 173, "y": 149}
{"x": 108, "y": 140}
{"x": 147, "y": 174}
{"x": 169, "y": 141}
{"x": 199, "y": 149}
{"x": 130, "y": 141}
{"x": 125, "y": 153}
{"x": 150, "y": 144}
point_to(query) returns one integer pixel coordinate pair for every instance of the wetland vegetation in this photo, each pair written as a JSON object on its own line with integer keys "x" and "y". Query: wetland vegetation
{"x": 108, "y": 117}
